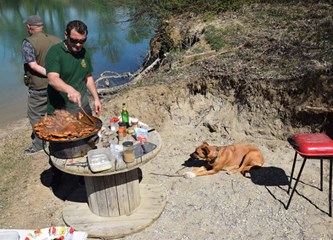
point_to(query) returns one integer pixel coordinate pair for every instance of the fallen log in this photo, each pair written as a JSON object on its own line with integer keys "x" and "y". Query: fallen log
{"x": 318, "y": 109}
{"x": 135, "y": 78}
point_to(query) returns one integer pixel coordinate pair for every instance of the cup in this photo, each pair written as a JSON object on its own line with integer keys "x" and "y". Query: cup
{"x": 128, "y": 152}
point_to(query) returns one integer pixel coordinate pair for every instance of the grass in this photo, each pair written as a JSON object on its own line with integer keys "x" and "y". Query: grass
{"x": 13, "y": 165}
{"x": 228, "y": 36}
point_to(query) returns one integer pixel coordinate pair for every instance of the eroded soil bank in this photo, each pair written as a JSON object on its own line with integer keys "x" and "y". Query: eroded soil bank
{"x": 275, "y": 64}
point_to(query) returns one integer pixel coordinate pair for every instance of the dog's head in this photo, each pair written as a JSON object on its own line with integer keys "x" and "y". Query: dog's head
{"x": 204, "y": 151}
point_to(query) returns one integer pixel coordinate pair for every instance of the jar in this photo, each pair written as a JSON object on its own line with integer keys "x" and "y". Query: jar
{"x": 130, "y": 131}
{"x": 122, "y": 131}
{"x": 128, "y": 152}
{"x": 134, "y": 122}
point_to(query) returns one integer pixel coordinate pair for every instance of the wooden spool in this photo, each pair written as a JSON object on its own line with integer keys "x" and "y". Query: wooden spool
{"x": 113, "y": 195}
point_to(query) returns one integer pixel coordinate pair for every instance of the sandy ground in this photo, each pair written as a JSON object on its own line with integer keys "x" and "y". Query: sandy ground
{"x": 219, "y": 206}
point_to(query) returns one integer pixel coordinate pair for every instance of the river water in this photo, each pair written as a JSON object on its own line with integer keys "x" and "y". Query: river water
{"x": 115, "y": 44}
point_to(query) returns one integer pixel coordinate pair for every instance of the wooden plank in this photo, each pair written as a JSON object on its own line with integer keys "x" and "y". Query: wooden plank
{"x": 100, "y": 197}
{"x": 133, "y": 189}
{"x": 112, "y": 197}
{"x": 90, "y": 190}
{"x": 121, "y": 185}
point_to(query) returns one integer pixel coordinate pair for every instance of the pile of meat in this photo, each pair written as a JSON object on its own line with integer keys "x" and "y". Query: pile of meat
{"x": 62, "y": 125}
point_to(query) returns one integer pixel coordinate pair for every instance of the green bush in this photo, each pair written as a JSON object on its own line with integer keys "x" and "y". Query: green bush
{"x": 171, "y": 7}
{"x": 229, "y": 36}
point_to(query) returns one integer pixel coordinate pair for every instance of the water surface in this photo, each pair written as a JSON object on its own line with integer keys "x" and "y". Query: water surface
{"x": 115, "y": 44}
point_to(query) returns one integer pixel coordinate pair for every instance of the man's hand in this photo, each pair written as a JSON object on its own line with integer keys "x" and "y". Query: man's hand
{"x": 75, "y": 97}
{"x": 98, "y": 106}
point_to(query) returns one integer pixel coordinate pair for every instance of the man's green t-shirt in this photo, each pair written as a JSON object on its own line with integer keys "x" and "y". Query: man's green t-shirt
{"x": 73, "y": 70}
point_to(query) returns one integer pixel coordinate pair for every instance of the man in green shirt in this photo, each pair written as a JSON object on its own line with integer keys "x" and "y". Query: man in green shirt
{"x": 69, "y": 68}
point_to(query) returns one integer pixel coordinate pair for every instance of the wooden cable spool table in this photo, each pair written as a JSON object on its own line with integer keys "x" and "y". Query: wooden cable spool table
{"x": 118, "y": 203}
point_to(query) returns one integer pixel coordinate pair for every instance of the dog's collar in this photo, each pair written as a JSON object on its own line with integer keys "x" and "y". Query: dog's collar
{"x": 211, "y": 162}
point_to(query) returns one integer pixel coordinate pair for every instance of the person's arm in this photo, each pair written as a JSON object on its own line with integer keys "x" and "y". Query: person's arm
{"x": 93, "y": 91}
{"x": 30, "y": 58}
{"x": 37, "y": 68}
{"x": 58, "y": 84}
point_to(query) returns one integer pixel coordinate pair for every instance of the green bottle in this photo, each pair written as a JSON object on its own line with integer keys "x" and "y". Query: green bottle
{"x": 124, "y": 115}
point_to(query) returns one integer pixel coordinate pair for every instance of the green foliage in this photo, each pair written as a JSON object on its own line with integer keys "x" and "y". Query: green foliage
{"x": 229, "y": 36}
{"x": 173, "y": 7}
{"x": 214, "y": 37}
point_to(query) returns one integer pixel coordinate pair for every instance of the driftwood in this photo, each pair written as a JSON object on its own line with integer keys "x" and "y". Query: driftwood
{"x": 318, "y": 109}
{"x": 146, "y": 70}
{"x": 107, "y": 75}
{"x": 189, "y": 60}
{"x": 138, "y": 75}
{"x": 133, "y": 78}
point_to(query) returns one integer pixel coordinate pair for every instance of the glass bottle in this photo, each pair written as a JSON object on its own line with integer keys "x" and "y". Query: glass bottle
{"x": 125, "y": 115}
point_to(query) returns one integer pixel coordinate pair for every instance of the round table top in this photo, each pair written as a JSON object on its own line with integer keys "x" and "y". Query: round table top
{"x": 80, "y": 166}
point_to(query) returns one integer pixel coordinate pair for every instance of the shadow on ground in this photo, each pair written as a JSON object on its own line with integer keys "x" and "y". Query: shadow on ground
{"x": 269, "y": 176}
{"x": 62, "y": 184}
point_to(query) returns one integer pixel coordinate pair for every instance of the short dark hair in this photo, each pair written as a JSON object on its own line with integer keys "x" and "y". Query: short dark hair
{"x": 78, "y": 25}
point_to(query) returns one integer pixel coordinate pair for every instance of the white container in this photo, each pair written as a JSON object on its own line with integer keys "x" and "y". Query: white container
{"x": 100, "y": 160}
{"x": 116, "y": 151}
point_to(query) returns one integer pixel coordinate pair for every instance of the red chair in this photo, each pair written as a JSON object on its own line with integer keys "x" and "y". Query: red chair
{"x": 312, "y": 146}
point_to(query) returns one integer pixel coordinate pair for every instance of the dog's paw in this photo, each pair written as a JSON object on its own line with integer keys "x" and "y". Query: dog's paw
{"x": 189, "y": 175}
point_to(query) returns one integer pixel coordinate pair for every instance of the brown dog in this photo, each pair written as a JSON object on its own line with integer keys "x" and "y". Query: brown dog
{"x": 233, "y": 158}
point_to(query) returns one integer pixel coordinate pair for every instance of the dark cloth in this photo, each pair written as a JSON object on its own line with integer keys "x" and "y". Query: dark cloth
{"x": 37, "y": 102}
{"x": 41, "y": 42}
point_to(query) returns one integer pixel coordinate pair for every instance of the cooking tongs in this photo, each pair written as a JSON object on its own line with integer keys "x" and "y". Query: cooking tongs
{"x": 88, "y": 116}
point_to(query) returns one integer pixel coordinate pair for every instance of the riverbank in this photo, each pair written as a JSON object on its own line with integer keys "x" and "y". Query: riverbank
{"x": 246, "y": 94}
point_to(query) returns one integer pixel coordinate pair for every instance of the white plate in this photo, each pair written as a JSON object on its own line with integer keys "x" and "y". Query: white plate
{"x": 64, "y": 233}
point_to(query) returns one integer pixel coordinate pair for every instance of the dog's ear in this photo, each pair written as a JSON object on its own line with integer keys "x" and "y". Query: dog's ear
{"x": 205, "y": 151}
{"x": 206, "y": 143}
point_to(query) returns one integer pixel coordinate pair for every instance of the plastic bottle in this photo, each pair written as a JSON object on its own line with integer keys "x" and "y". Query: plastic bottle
{"x": 114, "y": 124}
{"x": 125, "y": 115}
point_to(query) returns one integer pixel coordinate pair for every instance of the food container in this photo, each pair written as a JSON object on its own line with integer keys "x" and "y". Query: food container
{"x": 134, "y": 122}
{"x": 141, "y": 134}
{"x": 128, "y": 152}
{"x": 130, "y": 131}
{"x": 100, "y": 160}
{"x": 116, "y": 151}
{"x": 122, "y": 131}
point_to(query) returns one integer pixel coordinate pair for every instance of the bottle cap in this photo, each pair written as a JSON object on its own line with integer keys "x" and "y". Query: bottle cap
{"x": 114, "y": 120}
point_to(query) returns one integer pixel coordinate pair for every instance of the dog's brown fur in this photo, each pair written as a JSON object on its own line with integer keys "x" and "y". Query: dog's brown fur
{"x": 233, "y": 158}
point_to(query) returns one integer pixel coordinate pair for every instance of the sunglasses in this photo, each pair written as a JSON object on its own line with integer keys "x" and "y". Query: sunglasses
{"x": 76, "y": 41}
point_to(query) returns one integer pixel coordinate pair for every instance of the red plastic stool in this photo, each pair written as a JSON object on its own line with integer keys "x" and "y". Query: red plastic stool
{"x": 312, "y": 146}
